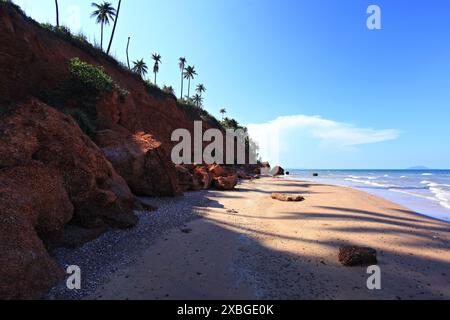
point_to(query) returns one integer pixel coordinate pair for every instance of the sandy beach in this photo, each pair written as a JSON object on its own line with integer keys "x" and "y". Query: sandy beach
{"x": 244, "y": 245}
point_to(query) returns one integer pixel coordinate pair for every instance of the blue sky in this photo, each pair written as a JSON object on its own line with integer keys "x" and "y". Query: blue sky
{"x": 332, "y": 93}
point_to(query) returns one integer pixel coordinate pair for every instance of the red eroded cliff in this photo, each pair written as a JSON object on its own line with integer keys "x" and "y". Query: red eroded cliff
{"x": 34, "y": 61}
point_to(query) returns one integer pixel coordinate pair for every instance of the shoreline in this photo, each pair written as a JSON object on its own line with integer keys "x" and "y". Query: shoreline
{"x": 421, "y": 204}
{"x": 379, "y": 195}
{"x": 244, "y": 245}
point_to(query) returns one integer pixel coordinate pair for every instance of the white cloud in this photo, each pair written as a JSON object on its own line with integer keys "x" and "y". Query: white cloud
{"x": 288, "y": 131}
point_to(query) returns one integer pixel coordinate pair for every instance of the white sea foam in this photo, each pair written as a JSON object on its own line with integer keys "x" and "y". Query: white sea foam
{"x": 441, "y": 192}
{"x": 427, "y": 174}
{"x": 367, "y": 182}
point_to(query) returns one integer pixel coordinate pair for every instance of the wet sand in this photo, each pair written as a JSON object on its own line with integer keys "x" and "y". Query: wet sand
{"x": 248, "y": 246}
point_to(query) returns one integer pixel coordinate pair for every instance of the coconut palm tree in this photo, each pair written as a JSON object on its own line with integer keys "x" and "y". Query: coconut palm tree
{"x": 140, "y": 67}
{"x": 223, "y": 111}
{"x": 103, "y": 13}
{"x": 200, "y": 89}
{"x": 114, "y": 28}
{"x": 189, "y": 73}
{"x": 198, "y": 100}
{"x": 57, "y": 13}
{"x": 157, "y": 58}
{"x": 182, "y": 64}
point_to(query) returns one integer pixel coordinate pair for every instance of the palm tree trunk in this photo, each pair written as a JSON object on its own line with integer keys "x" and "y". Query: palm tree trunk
{"x": 128, "y": 58}
{"x": 101, "y": 39}
{"x": 155, "y": 78}
{"x": 182, "y": 85}
{"x": 57, "y": 13}
{"x": 189, "y": 88}
{"x": 114, "y": 28}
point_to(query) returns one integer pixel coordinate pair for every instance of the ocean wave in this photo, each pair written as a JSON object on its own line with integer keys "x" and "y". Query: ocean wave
{"x": 413, "y": 194}
{"x": 441, "y": 192}
{"x": 427, "y": 174}
{"x": 375, "y": 184}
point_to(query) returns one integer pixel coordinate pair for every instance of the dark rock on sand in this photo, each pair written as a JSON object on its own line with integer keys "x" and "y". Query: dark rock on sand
{"x": 287, "y": 197}
{"x": 277, "y": 171}
{"x": 352, "y": 256}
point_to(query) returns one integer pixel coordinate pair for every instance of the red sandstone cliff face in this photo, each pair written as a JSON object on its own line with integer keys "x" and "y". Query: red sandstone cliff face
{"x": 33, "y": 205}
{"x": 50, "y": 174}
{"x": 34, "y": 60}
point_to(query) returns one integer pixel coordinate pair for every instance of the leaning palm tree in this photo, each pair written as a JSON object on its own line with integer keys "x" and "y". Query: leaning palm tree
{"x": 57, "y": 13}
{"x": 157, "y": 58}
{"x": 198, "y": 100}
{"x": 200, "y": 89}
{"x": 189, "y": 73}
{"x": 182, "y": 65}
{"x": 223, "y": 111}
{"x": 140, "y": 67}
{"x": 114, "y": 27}
{"x": 103, "y": 13}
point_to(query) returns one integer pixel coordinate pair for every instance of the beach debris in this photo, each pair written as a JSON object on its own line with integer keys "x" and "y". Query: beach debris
{"x": 287, "y": 197}
{"x": 277, "y": 171}
{"x": 232, "y": 211}
{"x": 353, "y": 256}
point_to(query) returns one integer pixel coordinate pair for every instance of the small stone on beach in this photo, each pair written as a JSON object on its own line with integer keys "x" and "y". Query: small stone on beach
{"x": 352, "y": 256}
{"x": 287, "y": 197}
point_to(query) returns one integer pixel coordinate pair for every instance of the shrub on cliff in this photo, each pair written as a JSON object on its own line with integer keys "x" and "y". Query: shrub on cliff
{"x": 89, "y": 76}
{"x": 82, "y": 89}
{"x": 198, "y": 114}
{"x": 157, "y": 92}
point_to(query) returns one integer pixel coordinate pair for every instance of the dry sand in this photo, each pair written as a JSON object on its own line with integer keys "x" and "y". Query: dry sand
{"x": 248, "y": 246}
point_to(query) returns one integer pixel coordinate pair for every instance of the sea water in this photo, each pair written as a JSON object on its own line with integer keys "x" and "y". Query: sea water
{"x": 426, "y": 192}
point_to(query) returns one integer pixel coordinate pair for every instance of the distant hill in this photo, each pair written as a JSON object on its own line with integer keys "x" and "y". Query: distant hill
{"x": 418, "y": 168}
